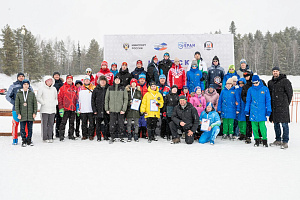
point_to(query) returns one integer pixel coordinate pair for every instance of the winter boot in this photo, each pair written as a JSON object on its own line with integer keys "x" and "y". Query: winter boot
{"x": 153, "y": 136}
{"x": 256, "y": 144}
{"x": 276, "y": 143}
{"x": 284, "y": 145}
{"x": 248, "y": 140}
{"x": 29, "y": 142}
{"x": 260, "y": 141}
{"x": 15, "y": 142}
{"x": 231, "y": 137}
{"x": 224, "y": 137}
{"x": 122, "y": 140}
{"x": 242, "y": 137}
{"x": 91, "y": 138}
{"x": 61, "y": 136}
{"x": 265, "y": 143}
{"x": 24, "y": 143}
{"x": 111, "y": 141}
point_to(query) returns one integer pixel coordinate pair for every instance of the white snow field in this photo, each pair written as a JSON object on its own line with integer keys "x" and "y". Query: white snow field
{"x": 97, "y": 170}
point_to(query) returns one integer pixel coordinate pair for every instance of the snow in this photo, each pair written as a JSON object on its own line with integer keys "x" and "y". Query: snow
{"x": 98, "y": 170}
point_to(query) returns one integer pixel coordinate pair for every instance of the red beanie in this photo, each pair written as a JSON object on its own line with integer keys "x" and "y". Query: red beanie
{"x": 104, "y": 63}
{"x": 70, "y": 76}
{"x": 134, "y": 80}
{"x": 124, "y": 63}
{"x": 139, "y": 62}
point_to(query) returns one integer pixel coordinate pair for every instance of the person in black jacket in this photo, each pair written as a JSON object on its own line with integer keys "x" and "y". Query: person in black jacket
{"x": 59, "y": 82}
{"x": 124, "y": 75}
{"x": 138, "y": 70}
{"x": 171, "y": 100}
{"x": 215, "y": 75}
{"x": 98, "y": 99}
{"x": 153, "y": 71}
{"x": 165, "y": 64}
{"x": 281, "y": 92}
{"x": 185, "y": 117}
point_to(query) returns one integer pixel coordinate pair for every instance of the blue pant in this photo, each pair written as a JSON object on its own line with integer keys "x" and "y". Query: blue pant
{"x": 209, "y": 136}
{"x": 29, "y": 126}
{"x": 285, "y": 136}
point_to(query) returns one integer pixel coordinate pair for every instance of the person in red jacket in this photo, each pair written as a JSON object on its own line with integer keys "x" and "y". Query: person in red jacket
{"x": 88, "y": 72}
{"x": 106, "y": 72}
{"x": 177, "y": 76}
{"x": 185, "y": 92}
{"x": 67, "y": 99}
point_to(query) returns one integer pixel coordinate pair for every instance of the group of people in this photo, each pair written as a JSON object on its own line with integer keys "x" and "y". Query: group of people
{"x": 202, "y": 103}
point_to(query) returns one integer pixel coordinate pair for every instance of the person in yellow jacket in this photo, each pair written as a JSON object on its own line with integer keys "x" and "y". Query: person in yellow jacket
{"x": 151, "y": 104}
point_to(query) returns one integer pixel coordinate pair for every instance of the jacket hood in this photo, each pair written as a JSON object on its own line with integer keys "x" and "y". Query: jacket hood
{"x": 281, "y": 76}
{"x": 210, "y": 104}
{"x": 153, "y": 92}
{"x": 242, "y": 79}
{"x": 46, "y": 78}
{"x": 123, "y": 72}
{"x": 128, "y": 88}
{"x": 210, "y": 94}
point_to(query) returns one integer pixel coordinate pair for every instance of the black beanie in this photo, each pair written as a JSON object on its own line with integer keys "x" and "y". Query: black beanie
{"x": 56, "y": 73}
{"x": 20, "y": 74}
{"x": 216, "y": 58}
{"x": 174, "y": 86}
{"x": 275, "y": 68}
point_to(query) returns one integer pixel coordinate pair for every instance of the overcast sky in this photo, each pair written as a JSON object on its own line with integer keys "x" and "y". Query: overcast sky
{"x": 84, "y": 20}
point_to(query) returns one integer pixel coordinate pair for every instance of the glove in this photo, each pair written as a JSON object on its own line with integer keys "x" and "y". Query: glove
{"x": 142, "y": 113}
{"x": 164, "y": 114}
{"x": 268, "y": 114}
{"x": 202, "y": 79}
{"x": 247, "y": 113}
{"x": 78, "y": 114}
{"x": 61, "y": 112}
{"x": 157, "y": 104}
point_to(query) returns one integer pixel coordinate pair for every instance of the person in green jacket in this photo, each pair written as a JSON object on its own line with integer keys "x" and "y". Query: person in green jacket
{"x": 133, "y": 113}
{"x": 26, "y": 109}
{"x": 116, "y": 100}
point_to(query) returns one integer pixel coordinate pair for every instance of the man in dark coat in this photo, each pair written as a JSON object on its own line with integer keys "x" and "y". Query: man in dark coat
{"x": 153, "y": 71}
{"x": 281, "y": 96}
{"x": 185, "y": 117}
{"x": 59, "y": 82}
{"x": 124, "y": 75}
{"x": 165, "y": 64}
{"x": 215, "y": 75}
{"x": 138, "y": 70}
{"x": 98, "y": 99}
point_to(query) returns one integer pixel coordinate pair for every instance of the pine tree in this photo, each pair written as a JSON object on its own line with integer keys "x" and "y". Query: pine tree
{"x": 9, "y": 52}
{"x": 93, "y": 56}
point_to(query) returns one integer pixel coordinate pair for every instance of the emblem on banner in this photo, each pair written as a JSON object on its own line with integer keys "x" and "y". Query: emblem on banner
{"x": 208, "y": 45}
{"x": 126, "y": 46}
{"x": 185, "y": 45}
{"x": 160, "y": 47}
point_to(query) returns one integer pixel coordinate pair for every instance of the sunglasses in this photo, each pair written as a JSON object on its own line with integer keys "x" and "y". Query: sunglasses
{"x": 256, "y": 82}
{"x": 241, "y": 83}
{"x": 215, "y": 61}
{"x": 194, "y": 65}
{"x": 88, "y": 72}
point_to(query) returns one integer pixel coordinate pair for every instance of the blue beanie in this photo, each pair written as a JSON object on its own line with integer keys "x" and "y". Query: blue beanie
{"x": 26, "y": 81}
{"x": 142, "y": 75}
{"x": 162, "y": 76}
{"x": 243, "y": 80}
{"x": 196, "y": 88}
{"x": 255, "y": 78}
{"x": 211, "y": 86}
{"x": 243, "y": 61}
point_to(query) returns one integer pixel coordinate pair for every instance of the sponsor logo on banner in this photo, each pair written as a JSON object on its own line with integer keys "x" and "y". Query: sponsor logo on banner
{"x": 160, "y": 47}
{"x": 185, "y": 45}
{"x": 208, "y": 45}
{"x": 126, "y": 46}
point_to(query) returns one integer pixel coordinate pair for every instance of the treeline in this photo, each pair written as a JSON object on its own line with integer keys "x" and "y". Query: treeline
{"x": 44, "y": 57}
{"x": 262, "y": 52}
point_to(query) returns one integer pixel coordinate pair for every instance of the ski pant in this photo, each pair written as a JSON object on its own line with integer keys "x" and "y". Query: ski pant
{"x": 285, "y": 136}
{"x": 68, "y": 115}
{"x": 136, "y": 127}
{"x": 15, "y": 126}
{"x": 174, "y": 130}
{"x": 208, "y": 136}
{"x": 116, "y": 118}
{"x": 47, "y": 123}
{"x": 248, "y": 127}
{"x": 29, "y": 127}
{"x": 58, "y": 119}
{"x": 242, "y": 126}
{"x": 77, "y": 120}
{"x": 228, "y": 126}
{"x": 235, "y": 127}
{"x": 88, "y": 124}
{"x": 102, "y": 128}
{"x": 151, "y": 126}
{"x": 163, "y": 127}
{"x": 262, "y": 127}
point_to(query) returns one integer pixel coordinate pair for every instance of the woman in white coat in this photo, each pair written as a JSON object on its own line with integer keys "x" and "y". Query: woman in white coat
{"x": 47, "y": 97}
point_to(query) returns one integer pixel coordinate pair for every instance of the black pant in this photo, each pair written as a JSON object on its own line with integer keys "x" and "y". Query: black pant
{"x": 67, "y": 115}
{"x": 163, "y": 126}
{"x": 174, "y": 129}
{"x": 77, "y": 120}
{"x": 116, "y": 118}
{"x": 151, "y": 126}
{"x": 248, "y": 127}
{"x": 57, "y": 122}
{"x": 87, "y": 131}
{"x": 179, "y": 91}
{"x": 29, "y": 127}
{"x": 102, "y": 128}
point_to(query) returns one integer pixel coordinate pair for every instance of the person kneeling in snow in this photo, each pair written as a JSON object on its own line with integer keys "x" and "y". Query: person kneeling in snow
{"x": 185, "y": 117}
{"x": 214, "y": 124}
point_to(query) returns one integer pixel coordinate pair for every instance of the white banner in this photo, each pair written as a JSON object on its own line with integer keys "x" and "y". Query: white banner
{"x": 130, "y": 48}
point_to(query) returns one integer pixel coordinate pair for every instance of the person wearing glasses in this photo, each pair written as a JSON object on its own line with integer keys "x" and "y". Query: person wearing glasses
{"x": 258, "y": 108}
{"x": 88, "y": 72}
{"x": 230, "y": 74}
{"x": 241, "y": 117}
{"x": 215, "y": 75}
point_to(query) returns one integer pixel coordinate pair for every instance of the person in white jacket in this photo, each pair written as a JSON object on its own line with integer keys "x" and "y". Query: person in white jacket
{"x": 47, "y": 97}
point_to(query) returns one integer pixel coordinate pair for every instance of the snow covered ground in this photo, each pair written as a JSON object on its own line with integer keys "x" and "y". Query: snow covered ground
{"x": 97, "y": 170}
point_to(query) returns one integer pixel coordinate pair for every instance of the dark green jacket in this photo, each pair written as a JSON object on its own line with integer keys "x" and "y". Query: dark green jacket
{"x": 116, "y": 99}
{"x": 26, "y": 112}
{"x": 137, "y": 95}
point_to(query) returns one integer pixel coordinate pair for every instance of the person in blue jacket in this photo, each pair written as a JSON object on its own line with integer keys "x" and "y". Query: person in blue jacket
{"x": 258, "y": 107}
{"x": 114, "y": 69}
{"x": 214, "y": 124}
{"x": 228, "y": 106}
{"x": 231, "y": 72}
{"x": 194, "y": 77}
{"x": 241, "y": 117}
